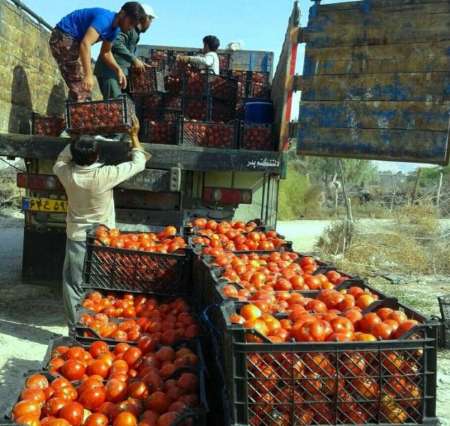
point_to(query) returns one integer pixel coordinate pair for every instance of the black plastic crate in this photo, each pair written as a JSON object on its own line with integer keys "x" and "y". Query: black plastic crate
{"x": 86, "y": 334}
{"x": 47, "y": 126}
{"x": 224, "y": 88}
{"x": 197, "y": 416}
{"x": 197, "y": 107}
{"x": 252, "y": 84}
{"x": 190, "y": 229}
{"x": 383, "y": 382}
{"x": 93, "y": 117}
{"x": 222, "y": 110}
{"x": 208, "y": 134}
{"x": 257, "y": 137}
{"x": 164, "y": 130}
{"x": 147, "y": 82}
{"x": 111, "y": 268}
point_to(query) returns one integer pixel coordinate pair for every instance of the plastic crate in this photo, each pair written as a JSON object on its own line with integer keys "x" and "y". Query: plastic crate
{"x": 111, "y": 268}
{"x": 197, "y": 416}
{"x": 86, "y": 334}
{"x": 252, "y": 84}
{"x": 93, "y": 117}
{"x": 257, "y": 137}
{"x": 224, "y": 88}
{"x": 189, "y": 229}
{"x": 208, "y": 134}
{"x": 147, "y": 82}
{"x": 47, "y": 126}
{"x": 162, "y": 131}
{"x": 222, "y": 110}
{"x": 197, "y": 108}
{"x": 384, "y": 382}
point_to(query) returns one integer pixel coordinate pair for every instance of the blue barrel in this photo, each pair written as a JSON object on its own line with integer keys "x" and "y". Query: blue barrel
{"x": 258, "y": 111}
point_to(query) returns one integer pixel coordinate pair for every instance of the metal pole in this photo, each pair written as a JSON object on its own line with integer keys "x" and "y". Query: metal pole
{"x": 438, "y": 196}
{"x": 37, "y": 18}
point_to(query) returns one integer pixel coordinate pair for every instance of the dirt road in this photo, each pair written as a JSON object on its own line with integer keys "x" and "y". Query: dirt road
{"x": 29, "y": 315}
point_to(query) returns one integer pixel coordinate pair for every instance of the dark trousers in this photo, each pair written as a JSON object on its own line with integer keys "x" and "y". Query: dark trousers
{"x": 73, "y": 277}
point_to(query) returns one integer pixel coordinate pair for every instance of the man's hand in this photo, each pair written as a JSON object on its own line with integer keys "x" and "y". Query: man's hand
{"x": 182, "y": 58}
{"x": 122, "y": 78}
{"x": 139, "y": 66}
{"x": 88, "y": 83}
{"x": 134, "y": 131}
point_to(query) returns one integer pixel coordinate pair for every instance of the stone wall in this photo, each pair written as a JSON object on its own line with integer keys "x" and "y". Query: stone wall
{"x": 29, "y": 78}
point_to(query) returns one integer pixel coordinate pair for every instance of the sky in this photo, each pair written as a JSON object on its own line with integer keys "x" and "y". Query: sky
{"x": 256, "y": 24}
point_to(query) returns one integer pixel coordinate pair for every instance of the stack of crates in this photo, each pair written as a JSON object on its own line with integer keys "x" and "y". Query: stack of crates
{"x": 269, "y": 382}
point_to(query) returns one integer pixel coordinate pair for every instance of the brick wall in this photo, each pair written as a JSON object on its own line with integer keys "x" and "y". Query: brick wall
{"x": 29, "y": 78}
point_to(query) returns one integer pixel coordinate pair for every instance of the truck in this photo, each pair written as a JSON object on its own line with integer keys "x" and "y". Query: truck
{"x": 375, "y": 85}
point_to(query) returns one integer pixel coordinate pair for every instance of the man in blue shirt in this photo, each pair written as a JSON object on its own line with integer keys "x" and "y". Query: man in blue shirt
{"x": 73, "y": 36}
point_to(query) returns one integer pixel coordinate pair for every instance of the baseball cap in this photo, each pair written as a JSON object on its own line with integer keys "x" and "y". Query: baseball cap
{"x": 149, "y": 11}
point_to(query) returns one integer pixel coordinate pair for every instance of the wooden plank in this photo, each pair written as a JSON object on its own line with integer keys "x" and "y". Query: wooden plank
{"x": 430, "y": 87}
{"x": 391, "y": 145}
{"x": 163, "y": 156}
{"x": 363, "y": 12}
{"x": 412, "y": 58}
{"x": 385, "y": 29}
{"x": 373, "y": 5}
{"x": 282, "y": 83}
{"x": 376, "y": 115}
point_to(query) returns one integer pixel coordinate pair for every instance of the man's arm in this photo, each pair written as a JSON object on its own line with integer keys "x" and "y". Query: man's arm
{"x": 64, "y": 158}
{"x": 206, "y": 60}
{"x": 108, "y": 58}
{"x": 89, "y": 39}
{"x": 120, "y": 48}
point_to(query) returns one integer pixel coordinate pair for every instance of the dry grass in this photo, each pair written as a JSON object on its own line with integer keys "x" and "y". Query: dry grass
{"x": 411, "y": 244}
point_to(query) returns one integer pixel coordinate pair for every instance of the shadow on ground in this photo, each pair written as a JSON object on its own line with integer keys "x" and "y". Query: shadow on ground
{"x": 11, "y": 378}
{"x": 25, "y": 331}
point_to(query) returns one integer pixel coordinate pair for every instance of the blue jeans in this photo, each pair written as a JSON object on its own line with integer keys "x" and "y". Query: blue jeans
{"x": 73, "y": 277}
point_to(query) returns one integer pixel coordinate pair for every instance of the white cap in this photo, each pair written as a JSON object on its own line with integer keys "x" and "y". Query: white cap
{"x": 149, "y": 11}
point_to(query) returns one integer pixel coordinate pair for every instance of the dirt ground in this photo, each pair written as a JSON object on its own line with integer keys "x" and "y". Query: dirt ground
{"x": 30, "y": 315}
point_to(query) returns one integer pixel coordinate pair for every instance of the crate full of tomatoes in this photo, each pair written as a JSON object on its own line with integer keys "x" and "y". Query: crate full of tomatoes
{"x": 252, "y": 84}
{"x": 115, "y": 385}
{"x": 93, "y": 117}
{"x": 209, "y": 134}
{"x": 332, "y": 359}
{"x": 256, "y": 137}
{"x": 162, "y": 130}
{"x": 146, "y": 82}
{"x": 128, "y": 317}
{"x": 143, "y": 262}
{"x": 47, "y": 126}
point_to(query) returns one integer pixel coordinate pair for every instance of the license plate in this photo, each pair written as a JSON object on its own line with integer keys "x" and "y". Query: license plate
{"x": 44, "y": 205}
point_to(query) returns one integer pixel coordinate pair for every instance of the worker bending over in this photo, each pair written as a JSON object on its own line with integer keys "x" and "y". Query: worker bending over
{"x": 89, "y": 187}
{"x": 73, "y": 36}
{"x": 209, "y": 59}
{"x": 124, "y": 52}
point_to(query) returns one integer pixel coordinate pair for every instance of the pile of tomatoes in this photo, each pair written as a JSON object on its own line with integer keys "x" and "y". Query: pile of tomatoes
{"x": 164, "y": 323}
{"x": 165, "y": 241}
{"x": 209, "y": 134}
{"x": 257, "y": 137}
{"x": 226, "y": 236}
{"x": 277, "y": 271}
{"x": 48, "y": 126}
{"x": 331, "y": 316}
{"x": 125, "y": 386}
{"x": 161, "y": 132}
{"x": 143, "y": 82}
{"x": 106, "y": 116}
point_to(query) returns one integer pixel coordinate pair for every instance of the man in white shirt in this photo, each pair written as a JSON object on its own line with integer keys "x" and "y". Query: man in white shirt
{"x": 89, "y": 188}
{"x": 209, "y": 59}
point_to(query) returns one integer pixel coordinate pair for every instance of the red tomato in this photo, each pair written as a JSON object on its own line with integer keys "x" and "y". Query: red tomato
{"x": 73, "y": 370}
{"x": 73, "y": 413}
